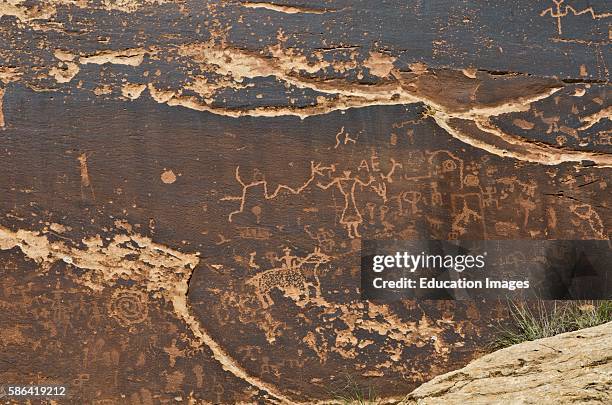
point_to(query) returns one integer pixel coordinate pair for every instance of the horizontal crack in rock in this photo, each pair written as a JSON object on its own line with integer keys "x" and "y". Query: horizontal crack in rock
{"x": 482, "y": 134}
{"x": 283, "y": 8}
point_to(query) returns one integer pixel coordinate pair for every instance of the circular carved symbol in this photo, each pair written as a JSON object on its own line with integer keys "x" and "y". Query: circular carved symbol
{"x": 129, "y": 307}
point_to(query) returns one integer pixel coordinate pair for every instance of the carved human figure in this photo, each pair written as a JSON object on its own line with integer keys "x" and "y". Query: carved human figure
{"x": 351, "y": 217}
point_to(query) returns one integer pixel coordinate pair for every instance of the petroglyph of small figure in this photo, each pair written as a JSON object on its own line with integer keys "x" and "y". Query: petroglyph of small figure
{"x": 586, "y": 213}
{"x": 291, "y": 277}
{"x": 315, "y": 170}
{"x": 346, "y": 139}
{"x": 446, "y": 166}
{"x": 463, "y": 214}
{"x": 559, "y": 10}
{"x": 85, "y": 180}
{"x": 351, "y": 217}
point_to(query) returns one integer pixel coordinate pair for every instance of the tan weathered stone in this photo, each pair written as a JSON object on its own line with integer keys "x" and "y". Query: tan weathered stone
{"x": 571, "y": 368}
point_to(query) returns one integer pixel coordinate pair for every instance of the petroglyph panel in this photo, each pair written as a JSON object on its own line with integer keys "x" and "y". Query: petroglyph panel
{"x": 186, "y": 184}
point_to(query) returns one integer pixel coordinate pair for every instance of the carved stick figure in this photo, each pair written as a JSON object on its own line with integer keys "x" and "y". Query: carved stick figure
{"x": 351, "y": 217}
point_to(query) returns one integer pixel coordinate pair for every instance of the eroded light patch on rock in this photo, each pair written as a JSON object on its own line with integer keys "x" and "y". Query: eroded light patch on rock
{"x": 20, "y": 10}
{"x": 168, "y": 177}
{"x": 129, "y": 57}
{"x": 154, "y": 268}
{"x": 281, "y": 8}
{"x": 64, "y": 72}
{"x": 379, "y": 64}
{"x": 132, "y": 91}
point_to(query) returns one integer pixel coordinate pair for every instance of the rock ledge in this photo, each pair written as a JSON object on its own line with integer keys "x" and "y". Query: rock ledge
{"x": 574, "y": 367}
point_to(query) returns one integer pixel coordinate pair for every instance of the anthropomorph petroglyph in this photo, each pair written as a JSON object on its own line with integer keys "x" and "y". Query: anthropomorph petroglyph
{"x": 369, "y": 174}
{"x": 85, "y": 179}
{"x": 561, "y": 10}
{"x": 347, "y": 183}
{"x": 315, "y": 170}
{"x": 343, "y": 141}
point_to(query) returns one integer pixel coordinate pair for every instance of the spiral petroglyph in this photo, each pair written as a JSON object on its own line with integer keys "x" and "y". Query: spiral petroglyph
{"x": 186, "y": 185}
{"x": 129, "y": 307}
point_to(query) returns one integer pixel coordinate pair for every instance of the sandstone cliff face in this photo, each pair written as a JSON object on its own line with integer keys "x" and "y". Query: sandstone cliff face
{"x": 571, "y": 368}
{"x": 185, "y": 184}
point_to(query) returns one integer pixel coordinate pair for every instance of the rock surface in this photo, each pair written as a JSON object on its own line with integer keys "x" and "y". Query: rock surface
{"x": 185, "y": 183}
{"x": 571, "y": 368}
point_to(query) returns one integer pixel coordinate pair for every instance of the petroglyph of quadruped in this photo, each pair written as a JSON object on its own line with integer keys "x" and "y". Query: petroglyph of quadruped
{"x": 276, "y": 205}
{"x": 290, "y": 277}
{"x": 153, "y": 268}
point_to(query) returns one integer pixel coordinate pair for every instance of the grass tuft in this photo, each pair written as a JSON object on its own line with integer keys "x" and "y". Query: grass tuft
{"x": 546, "y": 320}
{"x": 352, "y": 393}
